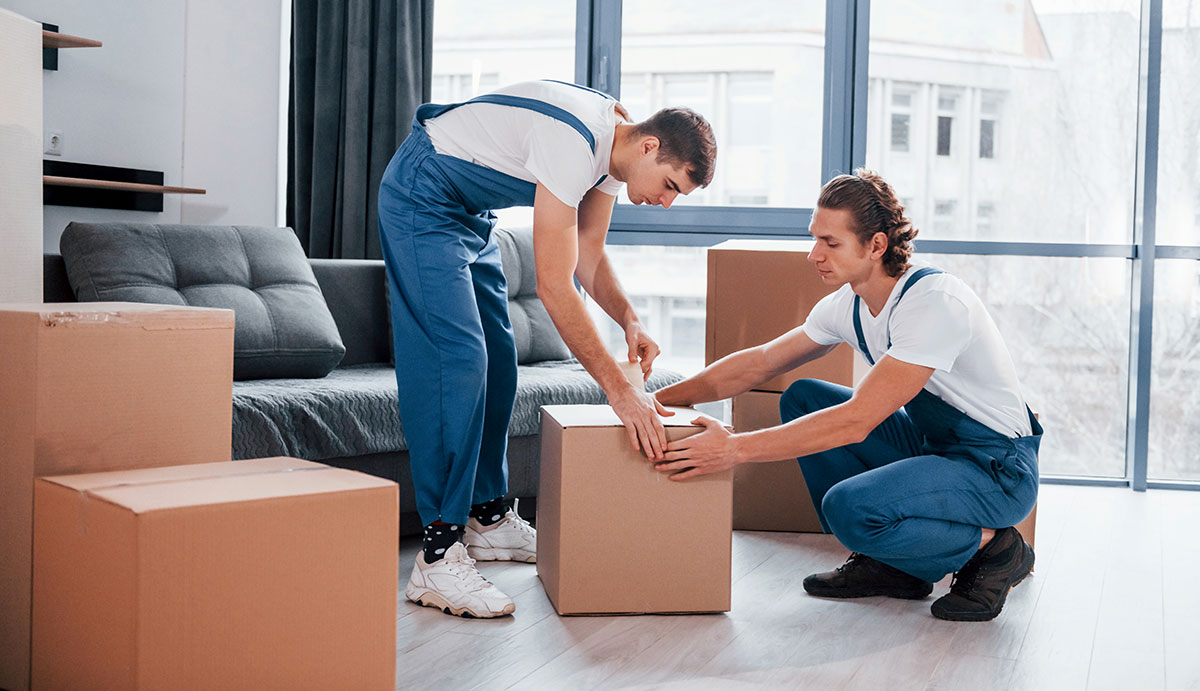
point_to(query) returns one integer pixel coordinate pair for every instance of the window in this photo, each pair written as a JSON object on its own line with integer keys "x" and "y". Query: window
{"x": 1062, "y": 75}
{"x": 985, "y": 213}
{"x": 755, "y": 70}
{"x": 945, "y": 124}
{"x": 900, "y": 123}
{"x": 943, "y": 217}
{"x": 1174, "y": 396}
{"x": 1065, "y": 322}
{"x": 1179, "y": 126}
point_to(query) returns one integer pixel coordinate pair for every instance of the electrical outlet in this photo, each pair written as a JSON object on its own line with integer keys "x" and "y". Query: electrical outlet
{"x": 54, "y": 143}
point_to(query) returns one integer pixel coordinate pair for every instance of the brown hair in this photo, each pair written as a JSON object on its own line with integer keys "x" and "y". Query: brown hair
{"x": 684, "y": 138}
{"x": 875, "y": 209}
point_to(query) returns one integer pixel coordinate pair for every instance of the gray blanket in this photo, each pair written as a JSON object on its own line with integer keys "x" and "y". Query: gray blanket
{"x": 352, "y": 411}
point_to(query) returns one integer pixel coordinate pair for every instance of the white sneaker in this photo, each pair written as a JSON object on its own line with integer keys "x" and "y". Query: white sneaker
{"x": 455, "y": 586}
{"x": 509, "y": 539}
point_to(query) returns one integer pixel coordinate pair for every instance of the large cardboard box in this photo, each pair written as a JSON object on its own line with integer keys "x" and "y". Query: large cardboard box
{"x": 768, "y": 496}
{"x": 266, "y": 574}
{"x": 98, "y": 386}
{"x": 616, "y": 536}
{"x": 761, "y": 289}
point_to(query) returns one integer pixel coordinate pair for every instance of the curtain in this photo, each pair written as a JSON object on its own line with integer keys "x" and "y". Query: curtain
{"x": 359, "y": 70}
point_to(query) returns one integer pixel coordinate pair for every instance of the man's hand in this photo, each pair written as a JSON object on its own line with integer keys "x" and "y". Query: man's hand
{"x": 639, "y": 412}
{"x": 622, "y": 112}
{"x": 641, "y": 347}
{"x": 710, "y": 451}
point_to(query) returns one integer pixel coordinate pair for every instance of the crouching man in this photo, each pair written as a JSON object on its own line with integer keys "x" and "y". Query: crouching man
{"x": 925, "y": 467}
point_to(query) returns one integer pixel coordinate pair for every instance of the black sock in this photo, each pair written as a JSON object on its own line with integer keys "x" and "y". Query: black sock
{"x": 490, "y": 512}
{"x": 438, "y": 538}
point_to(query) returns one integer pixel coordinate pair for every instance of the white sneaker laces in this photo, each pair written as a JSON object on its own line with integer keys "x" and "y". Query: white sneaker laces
{"x": 522, "y": 524}
{"x": 464, "y": 568}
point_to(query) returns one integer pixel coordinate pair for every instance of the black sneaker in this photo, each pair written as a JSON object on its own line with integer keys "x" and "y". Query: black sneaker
{"x": 978, "y": 590}
{"x": 862, "y": 576}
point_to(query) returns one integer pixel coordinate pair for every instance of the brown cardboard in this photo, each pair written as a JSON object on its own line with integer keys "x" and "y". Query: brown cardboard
{"x": 598, "y": 496}
{"x": 761, "y": 289}
{"x": 768, "y": 496}
{"x": 98, "y": 386}
{"x": 271, "y": 573}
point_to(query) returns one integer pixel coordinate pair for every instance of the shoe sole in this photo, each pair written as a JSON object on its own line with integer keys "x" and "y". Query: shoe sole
{"x": 496, "y": 554}
{"x": 430, "y": 598}
{"x": 990, "y": 615}
{"x": 842, "y": 595}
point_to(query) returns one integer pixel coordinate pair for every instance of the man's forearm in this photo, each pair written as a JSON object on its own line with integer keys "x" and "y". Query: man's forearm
{"x": 570, "y": 317}
{"x": 819, "y": 431}
{"x": 731, "y": 375}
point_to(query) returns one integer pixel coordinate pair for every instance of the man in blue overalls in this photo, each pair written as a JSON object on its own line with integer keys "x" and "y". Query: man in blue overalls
{"x": 925, "y": 467}
{"x": 566, "y": 151}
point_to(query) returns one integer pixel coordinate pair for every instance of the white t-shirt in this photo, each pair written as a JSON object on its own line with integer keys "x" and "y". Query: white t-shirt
{"x": 942, "y": 324}
{"x": 531, "y": 146}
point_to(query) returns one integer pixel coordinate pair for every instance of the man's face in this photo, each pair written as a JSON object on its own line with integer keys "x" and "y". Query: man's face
{"x": 651, "y": 182}
{"x": 837, "y": 254}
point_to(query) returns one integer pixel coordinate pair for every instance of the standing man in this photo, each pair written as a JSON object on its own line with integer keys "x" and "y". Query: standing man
{"x": 565, "y": 150}
{"x": 925, "y": 467}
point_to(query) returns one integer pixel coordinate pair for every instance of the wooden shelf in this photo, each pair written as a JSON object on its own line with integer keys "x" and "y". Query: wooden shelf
{"x": 122, "y": 186}
{"x": 52, "y": 39}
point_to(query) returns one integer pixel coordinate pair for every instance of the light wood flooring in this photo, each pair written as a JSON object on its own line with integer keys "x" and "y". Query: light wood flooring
{"x": 1114, "y": 603}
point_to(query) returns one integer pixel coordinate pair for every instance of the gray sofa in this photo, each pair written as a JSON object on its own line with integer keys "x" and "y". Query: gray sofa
{"x": 348, "y": 417}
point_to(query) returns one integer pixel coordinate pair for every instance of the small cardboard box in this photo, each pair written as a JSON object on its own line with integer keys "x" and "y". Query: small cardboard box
{"x": 616, "y": 536}
{"x": 99, "y": 386}
{"x": 768, "y": 496}
{"x": 759, "y": 290}
{"x": 271, "y": 573}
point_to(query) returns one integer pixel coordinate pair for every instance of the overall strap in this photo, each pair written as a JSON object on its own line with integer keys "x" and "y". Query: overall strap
{"x": 533, "y": 104}
{"x": 858, "y": 330}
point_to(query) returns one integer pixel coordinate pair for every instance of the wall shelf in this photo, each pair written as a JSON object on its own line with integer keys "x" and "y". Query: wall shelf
{"x": 53, "y": 39}
{"x": 116, "y": 185}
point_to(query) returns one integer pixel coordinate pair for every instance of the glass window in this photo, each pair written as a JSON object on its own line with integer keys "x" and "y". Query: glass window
{"x": 987, "y": 138}
{"x": 755, "y": 70}
{"x": 1044, "y": 91}
{"x": 900, "y": 132}
{"x": 667, "y": 288}
{"x": 1174, "y": 396}
{"x": 944, "y": 125}
{"x": 479, "y": 46}
{"x": 1178, "y": 221}
{"x": 1066, "y": 324}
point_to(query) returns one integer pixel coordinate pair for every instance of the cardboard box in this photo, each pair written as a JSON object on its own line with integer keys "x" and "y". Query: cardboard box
{"x": 759, "y": 290}
{"x": 272, "y": 573}
{"x": 98, "y": 386}
{"x": 768, "y": 496}
{"x": 615, "y": 536}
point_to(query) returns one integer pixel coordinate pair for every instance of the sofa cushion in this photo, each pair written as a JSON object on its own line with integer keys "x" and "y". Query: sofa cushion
{"x": 283, "y": 327}
{"x": 536, "y": 336}
{"x": 353, "y": 411}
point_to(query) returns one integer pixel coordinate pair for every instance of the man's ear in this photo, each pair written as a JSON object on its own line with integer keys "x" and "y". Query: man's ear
{"x": 879, "y": 244}
{"x": 649, "y": 145}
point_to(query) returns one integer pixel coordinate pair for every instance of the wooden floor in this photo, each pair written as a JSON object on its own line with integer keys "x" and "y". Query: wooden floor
{"x": 1114, "y": 603}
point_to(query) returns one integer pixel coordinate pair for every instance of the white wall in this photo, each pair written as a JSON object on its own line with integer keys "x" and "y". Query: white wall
{"x": 188, "y": 87}
{"x": 20, "y": 174}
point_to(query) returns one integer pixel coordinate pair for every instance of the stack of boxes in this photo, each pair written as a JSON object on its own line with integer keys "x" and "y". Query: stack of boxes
{"x": 758, "y": 290}
{"x": 144, "y": 557}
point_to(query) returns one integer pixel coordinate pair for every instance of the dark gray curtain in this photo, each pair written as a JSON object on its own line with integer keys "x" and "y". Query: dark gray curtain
{"x": 359, "y": 70}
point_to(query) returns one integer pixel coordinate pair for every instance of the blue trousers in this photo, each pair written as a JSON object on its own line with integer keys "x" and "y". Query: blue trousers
{"x": 889, "y": 499}
{"x": 456, "y": 359}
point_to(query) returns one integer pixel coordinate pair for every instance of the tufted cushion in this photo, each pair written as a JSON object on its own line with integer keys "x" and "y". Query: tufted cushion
{"x": 537, "y": 338}
{"x": 283, "y": 327}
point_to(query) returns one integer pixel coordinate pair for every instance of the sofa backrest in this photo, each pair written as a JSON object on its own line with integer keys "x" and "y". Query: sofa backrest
{"x": 355, "y": 291}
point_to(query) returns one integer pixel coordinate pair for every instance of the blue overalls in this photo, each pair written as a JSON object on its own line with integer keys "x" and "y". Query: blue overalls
{"x": 917, "y": 491}
{"x": 456, "y": 360}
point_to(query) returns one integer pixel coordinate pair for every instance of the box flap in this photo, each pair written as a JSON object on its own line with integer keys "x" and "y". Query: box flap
{"x": 766, "y": 245}
{"x": 152, "y": 489}
{"x": 145, "y": 315}
{"x": 603, "y": 416}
